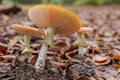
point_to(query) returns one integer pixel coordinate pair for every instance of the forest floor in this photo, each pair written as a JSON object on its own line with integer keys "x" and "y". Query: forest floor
{"x": 101, "y": 60}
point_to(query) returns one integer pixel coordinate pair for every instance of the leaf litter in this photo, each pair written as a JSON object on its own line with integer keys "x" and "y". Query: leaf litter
{"x": 63, "y": 61}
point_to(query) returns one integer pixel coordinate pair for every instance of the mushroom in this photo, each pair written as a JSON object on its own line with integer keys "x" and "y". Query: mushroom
{"x": 80, "y": 42}
{"x": 55, "y": 20}
{"x": 27, "y": 32}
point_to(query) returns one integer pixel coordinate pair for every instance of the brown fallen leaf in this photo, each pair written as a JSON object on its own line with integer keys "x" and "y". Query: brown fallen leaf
{"x": 108, "y": 74}
{"x": 12, "y": 42}
{"x": 83, "y": 78}
{"x": 33, "y": 60}
{"x": 101, "y": 60}
{"x": 116, "y": 57}
{"x": 63, "y": 45}
{"x": 7, "y": 57}
{"x": 58, "y": 64}
{"x": 119, "y": 70}
{"x": 4, "y": 67}
{"x": 3, "y": 47}
{"x": 115, "y": 52}
{"x": 111, "y": 78}
{"x": 92, "y": 78}
{"x": 117, "y": 66}
{"x": 97, "y": 75}
{"x": 93, "y": 48}
{"x": 74, "y": 52}
{"x": 50, "y": 53}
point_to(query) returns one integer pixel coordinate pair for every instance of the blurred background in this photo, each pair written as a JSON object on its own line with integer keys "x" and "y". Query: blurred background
{"x": 63, "y": 2}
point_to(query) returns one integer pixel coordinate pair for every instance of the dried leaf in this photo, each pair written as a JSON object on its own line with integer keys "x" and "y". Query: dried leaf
{"x": 107, "y": 75}
{"x": 92, "y": 78}
{"x": 116, "y": 57}
{"x": 4, "y": 67}
{"x": 33, "y": 60}
{"x": 58, "y": 64}
{"x": 12, "y": 42}
{"x": 8, "y": 57}
{"x": 74, "y": 52}
{"x": 115, "y": 52}
{"x": 83, "y": 78}
{"x": 119, "y": 70}
{"x": 3, "y": 47}
{"x": 111, "y": 78}
{"x": 101, "y": 60}
{"x": 116, "y": 66}
{"x": 98, "y": 75}
{"x": 50, "y": 53}
{"x": 63, "y": 45}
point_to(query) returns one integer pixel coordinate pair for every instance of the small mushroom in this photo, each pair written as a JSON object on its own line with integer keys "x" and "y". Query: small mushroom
{"x": 55, "y": 20}
{"x": 27, "y": 32}
{"x": 80, "y": 42}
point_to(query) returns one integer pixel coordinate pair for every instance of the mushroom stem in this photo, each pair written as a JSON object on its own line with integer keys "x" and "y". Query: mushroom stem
{"x": 49, "y": 36}
{"x": 80, "y": 42}
{"x": 27, "y": 49}
{"x": 40, "y": 63}
{"x": 48, "y": 41}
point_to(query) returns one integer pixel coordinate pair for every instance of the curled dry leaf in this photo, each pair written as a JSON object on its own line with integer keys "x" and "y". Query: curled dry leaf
{"x": 101, "y": 60}
{"x": 115, "y": 52}
{"x": 97, "y": 75}
{"x": 58, "y": 64}
{"x": 111, "y": 78}
{"x": 116, "y": 57}
{"x": 33, "y": 60}
{"x": 4, "y": 67}
{"x": 3, "y": 47}
{"x": 7, "y": 57}
{"x": 108, "y": 74}
{"x": 63, "y": 45}
{"x": 83, "y": 78}
{"x": 93, "y": 48}
{"x": 74, "y": 52}
{"x": 50, "y": 53}
{"x": 12, "y": 42}
{"x": 117, "y": 66}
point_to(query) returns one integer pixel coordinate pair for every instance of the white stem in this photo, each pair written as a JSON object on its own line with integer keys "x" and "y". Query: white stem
{"x": 80, "y": 43}
{"x": 48, "y": 41}
{"x": 80, "y": 36}
{"x": 41, "y": 58}
{"x": 80, "y": 50}
{"x": 27, "y": 49}
{"x": 49, "y": 36}
{"x": 27, "y": 41}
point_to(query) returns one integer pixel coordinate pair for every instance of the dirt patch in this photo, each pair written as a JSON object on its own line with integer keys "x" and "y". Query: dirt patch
{"x": 26, "y": 71}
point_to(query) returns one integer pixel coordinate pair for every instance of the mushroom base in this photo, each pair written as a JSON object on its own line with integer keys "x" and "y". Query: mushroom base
{"x": 27, "y": 49}
{"x": 41, "y": 58}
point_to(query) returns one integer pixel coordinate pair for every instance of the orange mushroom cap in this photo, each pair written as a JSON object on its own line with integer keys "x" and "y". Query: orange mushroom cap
{"x": 27, "y": 30}
{"x": 62, "y": 20}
